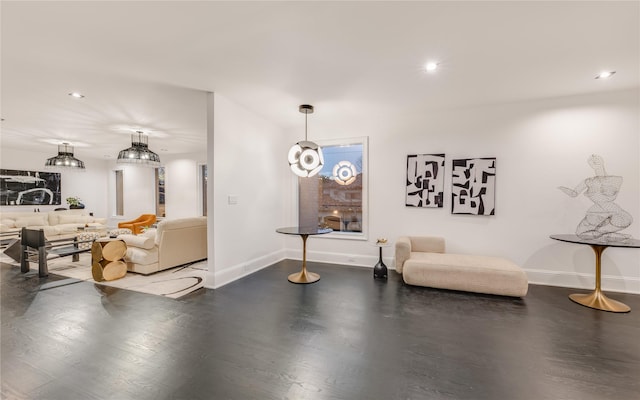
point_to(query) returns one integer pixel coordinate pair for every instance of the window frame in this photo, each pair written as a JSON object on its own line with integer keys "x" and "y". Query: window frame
{"x": 364, "y": 141}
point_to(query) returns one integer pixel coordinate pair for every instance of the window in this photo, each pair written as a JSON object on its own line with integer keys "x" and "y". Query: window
{"x": 337, "y": 197}
{"x": 160, "y": 209}
{"x": 119, "y": 193}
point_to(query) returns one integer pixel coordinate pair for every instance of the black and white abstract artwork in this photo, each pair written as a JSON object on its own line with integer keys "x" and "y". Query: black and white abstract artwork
{"x": 473, "y": 186}
{"x": 29, "y": 188}
{"x": 425, "y": 180}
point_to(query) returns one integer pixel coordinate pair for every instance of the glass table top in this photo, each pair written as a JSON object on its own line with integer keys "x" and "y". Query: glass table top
{"x": 304, "y": 230}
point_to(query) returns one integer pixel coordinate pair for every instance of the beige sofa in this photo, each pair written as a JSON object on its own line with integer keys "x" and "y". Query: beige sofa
{"x": 55, "y": 224}
{"x": 423, "y": 262}
{"x": 172, "y": 243}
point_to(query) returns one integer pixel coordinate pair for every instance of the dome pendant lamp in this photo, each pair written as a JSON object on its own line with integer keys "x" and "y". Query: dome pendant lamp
{"x": 139, "y": 152}
{"x": 305, "y": 157}
{"x": 64, "y": 159}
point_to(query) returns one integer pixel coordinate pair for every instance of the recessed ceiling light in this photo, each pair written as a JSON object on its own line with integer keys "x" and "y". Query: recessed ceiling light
{"x": 605, "y": 74}
{"x": 76, "y": 95}
{"x": 431, "y": 66}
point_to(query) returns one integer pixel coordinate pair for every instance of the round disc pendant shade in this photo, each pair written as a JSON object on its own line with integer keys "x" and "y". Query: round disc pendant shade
{"x": 305, "y": 157}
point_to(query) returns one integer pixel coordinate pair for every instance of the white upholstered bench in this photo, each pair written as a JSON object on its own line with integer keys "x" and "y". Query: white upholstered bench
{"x": 423, "y": 262}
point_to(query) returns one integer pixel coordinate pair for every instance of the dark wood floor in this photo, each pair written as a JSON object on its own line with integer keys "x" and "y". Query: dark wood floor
{"x": 345, "y": 337}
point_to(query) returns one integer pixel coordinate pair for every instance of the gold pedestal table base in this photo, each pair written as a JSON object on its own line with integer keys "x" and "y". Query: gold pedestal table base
{"x": 303, "y": 276}
{"x": 597, "y": 298}
{"x": 599, "y": 301}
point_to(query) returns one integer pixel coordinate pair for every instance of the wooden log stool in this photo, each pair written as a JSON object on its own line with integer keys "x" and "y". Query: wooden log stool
{"x": 107, "y": 262}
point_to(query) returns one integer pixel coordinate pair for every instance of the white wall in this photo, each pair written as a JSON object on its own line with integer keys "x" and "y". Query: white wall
{"x": 138, "y": 192}
{"x": 90, "y": 185}
{"x": 247, "y": 166}
{"x": 539, "y": 145}
{"x": 182, "y": 186}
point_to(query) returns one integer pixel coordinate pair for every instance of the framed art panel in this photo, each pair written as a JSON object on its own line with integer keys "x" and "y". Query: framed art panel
{"x": 425, "y": 180}
{"x": 29, "y": 188}
{"x": 473, "y": 186}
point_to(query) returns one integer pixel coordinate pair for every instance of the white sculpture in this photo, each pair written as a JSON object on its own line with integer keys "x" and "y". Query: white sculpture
{"x": 605, "y": 218}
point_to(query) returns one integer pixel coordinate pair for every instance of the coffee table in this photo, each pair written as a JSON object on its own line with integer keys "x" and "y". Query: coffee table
{"x": 304, "y": 232}
{"x": 597, "y": 299}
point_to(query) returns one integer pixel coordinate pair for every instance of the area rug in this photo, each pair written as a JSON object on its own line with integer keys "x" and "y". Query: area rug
{"x": 173, "y": 283}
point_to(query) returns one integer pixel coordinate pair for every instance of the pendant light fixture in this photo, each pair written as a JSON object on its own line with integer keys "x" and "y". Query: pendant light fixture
{"x": 139, "y": 153}
{"x": 305, "y": 157}
{"x": 64, "y": 159}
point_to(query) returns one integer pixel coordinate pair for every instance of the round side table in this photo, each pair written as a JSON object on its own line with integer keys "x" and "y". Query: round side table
{"x": 304, "y": 276}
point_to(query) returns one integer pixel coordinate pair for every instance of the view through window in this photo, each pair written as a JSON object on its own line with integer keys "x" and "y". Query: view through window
{"x": 341, "y": 187}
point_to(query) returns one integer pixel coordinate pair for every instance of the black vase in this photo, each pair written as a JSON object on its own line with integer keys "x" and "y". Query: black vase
{"x": 76, "y": 206}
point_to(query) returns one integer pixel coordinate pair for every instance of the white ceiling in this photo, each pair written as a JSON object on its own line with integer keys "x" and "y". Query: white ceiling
{"x": 147, "y": 65}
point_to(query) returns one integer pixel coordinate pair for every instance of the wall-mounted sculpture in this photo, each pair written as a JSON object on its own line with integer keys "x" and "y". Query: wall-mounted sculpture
{"x": 605, "y": 219}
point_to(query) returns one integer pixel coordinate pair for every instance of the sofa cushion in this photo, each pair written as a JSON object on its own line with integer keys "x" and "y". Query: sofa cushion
{"x": 143, "y": 242}
{"x": 471, "y": 273}
{"x": 35, "y": 220}
{"x": 49, "y": 230}
{"x": 137, "y": 255}
{"x": 465, "y": 261}
{"x": 178, "y": 224}
{"x": 54, "y": 216}
{"x": 74, "y": 219}
{"x": 67, "y": 228}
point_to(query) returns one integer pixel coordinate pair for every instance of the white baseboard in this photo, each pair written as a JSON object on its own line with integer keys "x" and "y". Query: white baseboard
{"x": 609, "y": 283}
{"x": 356, "y": 260}
{"x": 238, "y": 271}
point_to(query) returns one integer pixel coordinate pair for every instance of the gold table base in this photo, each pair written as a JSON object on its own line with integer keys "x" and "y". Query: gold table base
{"x": 599, "y": 301}
{"x": 304, "y": 277}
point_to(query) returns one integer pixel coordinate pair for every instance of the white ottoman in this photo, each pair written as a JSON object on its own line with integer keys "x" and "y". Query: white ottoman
{"x": 469, "y": 273}
{"x": 422, "y": 261}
